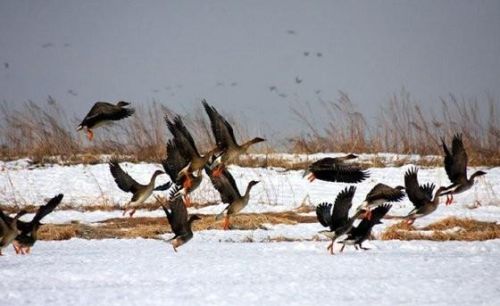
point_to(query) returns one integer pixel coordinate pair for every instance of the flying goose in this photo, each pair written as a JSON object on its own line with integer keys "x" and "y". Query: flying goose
{"x": 184, "y": 142}
{"x": 336, "y": 170}
{"x": 379, "y": 195}
{"x": 228, "y": 149}
{"x": 177, "y": 217}
{"x": 225, "y": 184}
{"x": 338, "y": 220}
{"x": 455, "y": 164}
{"x": 126, "y": 183}
{"x": 29, "y": 230}
{"x": 173, "y": 165}
{"x": 420, "y": 196}
{"x": 360, "y": 233}
{"x": 103, "y": 113}
{"x": 9, "y": 229}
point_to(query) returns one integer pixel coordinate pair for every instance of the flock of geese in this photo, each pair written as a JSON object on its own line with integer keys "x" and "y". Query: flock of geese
{"x": 184, "y": 165}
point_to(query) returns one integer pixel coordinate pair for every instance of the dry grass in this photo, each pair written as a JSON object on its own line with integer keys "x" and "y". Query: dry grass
{"x": 145, "y": 227}
{"x": 46, "y": 134}
{"x": 402, "y": 126}
{"x": 445, "y": 230}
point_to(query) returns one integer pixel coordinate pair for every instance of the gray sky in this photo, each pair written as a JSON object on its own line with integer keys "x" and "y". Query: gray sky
{"x": 229, "y": 52}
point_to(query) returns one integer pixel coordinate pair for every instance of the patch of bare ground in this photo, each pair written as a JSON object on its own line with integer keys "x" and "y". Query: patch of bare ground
{"x": 146, "y": 227}
{"x": 451, "y": 228}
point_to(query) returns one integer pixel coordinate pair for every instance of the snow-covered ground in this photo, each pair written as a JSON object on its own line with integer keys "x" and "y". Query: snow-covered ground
{"x": 223, "y": 268}
{"x": 279, "y": 190}
{"x": 148, "y": 272}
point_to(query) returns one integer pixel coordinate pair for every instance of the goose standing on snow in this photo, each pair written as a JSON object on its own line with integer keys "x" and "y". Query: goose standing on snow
{"x": 337, "y": 220}
{"x": 336, "y": 170}
{"x": 455, "y": 164}
{"x": 225, "y": 184}
{"x": 103, "y": 113}
{"x": 9, "y": 229}
{"x": 420, "y": 196}
{"x": 228, "y": 149}
{"x": 29, "y": 230}
{"x": 180, "y": 224}
{"x": 379, "y": 195}
{"x": 362, "y": 232}
{"x": 126, "y": 183}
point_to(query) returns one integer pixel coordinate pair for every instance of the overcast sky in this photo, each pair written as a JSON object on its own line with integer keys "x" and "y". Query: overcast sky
{"x": 256, "y": 57}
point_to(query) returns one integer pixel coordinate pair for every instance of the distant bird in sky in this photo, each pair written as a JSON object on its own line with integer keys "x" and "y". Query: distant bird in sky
{"x": 72, "y": 92}
{"x": 298, "y": 80}
{"x": 317, "y": 91}
{"x": 233, "y": 84}
{"x": 283, "y": 95}
{"x": 6, "y": 65}
{"x": 272, "y": 88}
{"x": 291, "y": 32}
{"x": 47, "y": 45}
{"x": 219, "y": 84}
{"x": 67, "y": 45}
{"x": 319, "y": 54}
{"x": 306, "y": 53}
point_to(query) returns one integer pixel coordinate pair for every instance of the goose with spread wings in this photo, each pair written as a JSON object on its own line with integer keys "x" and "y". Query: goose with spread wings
{"x": 420, "y": 196}
{"x": 455, "y": 164}
{"x": 362, "y": 232}
{"x": 173, "y": 165}
{"x": 336, "y": 170}
{"x": 103, "y": 113}
{"x": 179, "y": 221}
{"x": 229, "y": 193}
{"x": 338, "y": 220}
{"x": 184, "y": 142}
{"x": 29, "y": 230}
{"x": 380, "y": 194}
{"x": 140, "y": 193}
{"x": 228, "y": 149}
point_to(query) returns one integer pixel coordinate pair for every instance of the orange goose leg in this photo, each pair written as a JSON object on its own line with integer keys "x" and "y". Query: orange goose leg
{"x": 218, "y": 170}
{"x": 131, "y": 214}
{"x": 90, "y": 134}
{"x": 187, "y": 200}
{"x": 311, "y": 177}
{"x": 368, "y": 214}
{"x": 330, "y": 248}
{"x": 226, "y": 223}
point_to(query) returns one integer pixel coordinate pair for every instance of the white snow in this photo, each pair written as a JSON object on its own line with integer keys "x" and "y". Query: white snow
{"x": 149, "y": 272}
{"x": 279, "y": 190}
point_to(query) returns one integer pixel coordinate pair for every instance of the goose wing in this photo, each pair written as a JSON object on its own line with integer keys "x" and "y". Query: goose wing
{"x": 324, "y": 215}
{"x": 182, "y": 137}
{"x": 103, "y": 111}
{"x": 222, "y": 130}
{"x": 47, "y": 208}
{"x": 225, "y": 185}
{"x": 416, "y": 194}
{"x": 177, "y": 216}
{"x": 124, "y": 181}
{"x": 455, "y": 163}
{"x": 387, "y": 193}
{"x": 175, "y": 161}
{"x": 341, "y": 208}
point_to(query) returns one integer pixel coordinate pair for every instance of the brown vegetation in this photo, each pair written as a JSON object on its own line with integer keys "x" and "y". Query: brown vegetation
{"x": 145, "y": 227}
{"x": 46, "y": 134}
{"x": 444, "y": 230}
{"x": 402, "y": 126}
